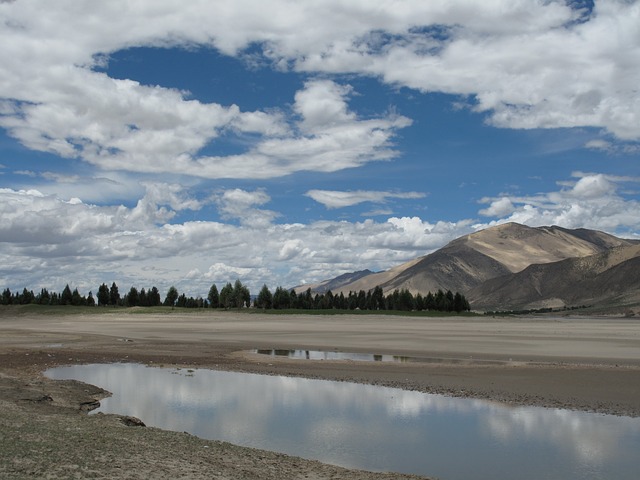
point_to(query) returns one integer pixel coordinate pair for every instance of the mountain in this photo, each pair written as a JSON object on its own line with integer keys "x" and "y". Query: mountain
{"x": 497, "y": 258}
{"x": 611, "y": 277}
{"x": 334, "y": 284}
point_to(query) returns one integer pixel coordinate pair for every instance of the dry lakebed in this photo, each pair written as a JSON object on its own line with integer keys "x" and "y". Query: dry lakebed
{"x": 575, "y": 364}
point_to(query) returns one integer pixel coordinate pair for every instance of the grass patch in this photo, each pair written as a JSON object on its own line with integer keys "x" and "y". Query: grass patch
{"x": 399, "y": 313}
{"x": 32, "y": 309}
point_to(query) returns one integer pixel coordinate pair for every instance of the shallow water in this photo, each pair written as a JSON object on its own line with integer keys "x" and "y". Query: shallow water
{"x": 328, "y": 355}
{"x": 369, "y": 427}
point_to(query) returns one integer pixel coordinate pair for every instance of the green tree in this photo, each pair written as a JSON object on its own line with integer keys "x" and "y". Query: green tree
{"x": 133, "y": 297}
{"x": 6, "y": 297}
{"x": 91, "y": 302}
{"x": 281, "y": 298}
{"x": 226, "y": 296}
{"x": 241, "y": 295}
{"x": 44, "y": 298}
{"x": 77, "y": 299}
{"x": 418, "y": 302}
{"x": 153, "y": 297}
{"x": 213, "y": 297}
{"x": 103, "y": 295}
{"x": 114, "y": 295}
{"x": 67, "y": 297}
{"x": 429, "y": 302}
{"x": 171, "y": 298}
{"x": 27, "y": 297}
{"x": 143, "y": 300}
{"x": 460, "y": 303}
{"x": 265, "y": 299}
{"x": 449, "y": 301}
{"x": 181, "y": 301}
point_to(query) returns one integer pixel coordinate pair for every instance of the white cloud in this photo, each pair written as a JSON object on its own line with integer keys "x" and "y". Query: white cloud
{"x": 240, "y": 204}
{"x": 529, "y": 64}
{"x": 78, "y": 240}
{"x": 49, "y": 242}
{"x": 593, "y": 201}
{"x": 498, "y": 208}
{"x": 340, "y": 199}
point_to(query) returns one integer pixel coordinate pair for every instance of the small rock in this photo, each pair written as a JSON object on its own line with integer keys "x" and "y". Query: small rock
{"x": 132, "y": 422}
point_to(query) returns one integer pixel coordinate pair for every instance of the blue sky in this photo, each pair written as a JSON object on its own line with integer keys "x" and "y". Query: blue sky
{"x": 165, "y": 144}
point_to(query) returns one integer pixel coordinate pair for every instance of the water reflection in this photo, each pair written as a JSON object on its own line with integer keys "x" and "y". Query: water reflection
{"x": 375, "y": 428}
{"x": 326, "y": 355}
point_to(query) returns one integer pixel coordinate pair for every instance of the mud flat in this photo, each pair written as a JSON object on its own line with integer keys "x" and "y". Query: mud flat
{"x": 590, "y": 364}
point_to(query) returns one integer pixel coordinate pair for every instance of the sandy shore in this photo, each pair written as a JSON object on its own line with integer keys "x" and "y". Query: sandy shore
{"x": 588, "y": 364}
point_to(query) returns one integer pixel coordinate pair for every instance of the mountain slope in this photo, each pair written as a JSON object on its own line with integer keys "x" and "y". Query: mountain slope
{"x": 612, "y": 276}
{"x": 334, "y": 284}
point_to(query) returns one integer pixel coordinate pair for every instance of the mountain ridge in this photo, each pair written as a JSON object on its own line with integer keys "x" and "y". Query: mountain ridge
{"x": 497, "y": 268}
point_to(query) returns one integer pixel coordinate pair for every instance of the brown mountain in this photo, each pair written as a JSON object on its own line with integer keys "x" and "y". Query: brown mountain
{"x": 611, "y": 277}
{"x": 495, "y": 255}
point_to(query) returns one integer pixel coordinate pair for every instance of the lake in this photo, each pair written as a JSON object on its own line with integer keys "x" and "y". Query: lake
{"x": 371, "y": 427}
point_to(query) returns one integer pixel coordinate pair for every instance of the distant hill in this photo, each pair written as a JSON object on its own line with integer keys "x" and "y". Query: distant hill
{"x": 335, "y": 284}
{"x": 497, "y": 268}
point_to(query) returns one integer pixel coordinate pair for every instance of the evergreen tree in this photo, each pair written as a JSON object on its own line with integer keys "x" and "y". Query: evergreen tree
{"x": 77, "y": 299}
{"x": 114, "y": 295}
{"x": 55, "y": 299}
{"x": 91, "y": 302}
{"x": 153, "y": 297}
{"x": 418, "y": 301}
{"x": 226, "y": 296}
{"x": 133, "y": 297}
{"x": 142, "y": 298}
{"x": 440, "y": 301}
{"x": 293, "y": 299}
{"x": 181, "y": 301}
{"x": 429, "y": 302}
{"x": 327, "y": 300}
{"x": 103, "y": 295}
{"x": 241, "y": 295}
{"x": 265, "y": 299}
{"x": 67, "y": 297}
{"x": 44, "y": 298}
{"x": 213, "y": 297}
{"x": 26, "y": 297}
{"x": 460, "y": 303}
{"x": 7, "y": 298}
{"x": 449, "y": 300}
{"x": 171, "y": 298}
{"x": 281, "y": 298}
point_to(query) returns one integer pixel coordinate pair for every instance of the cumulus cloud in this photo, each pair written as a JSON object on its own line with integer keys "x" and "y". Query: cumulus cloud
{"x": 57, "y": 102}
{"x": 340, "y": 199}
{"x": 528, "y": 64}
{"x": 594, "y": 200}
{"x": 79, "y": 240}
{"x": 73, "y": 239}
{"x": 241, "y": 205}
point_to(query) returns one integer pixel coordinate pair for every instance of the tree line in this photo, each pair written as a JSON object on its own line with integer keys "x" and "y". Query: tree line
{"x": 375, "y": 299}
{"x": 239, "y": 296}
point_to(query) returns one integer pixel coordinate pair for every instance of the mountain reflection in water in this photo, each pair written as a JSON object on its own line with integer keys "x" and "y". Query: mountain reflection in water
{"x": 370, "y": 427}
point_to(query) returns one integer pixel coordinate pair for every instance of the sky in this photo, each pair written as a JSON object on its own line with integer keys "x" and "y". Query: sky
{"x": 162, "y": 142}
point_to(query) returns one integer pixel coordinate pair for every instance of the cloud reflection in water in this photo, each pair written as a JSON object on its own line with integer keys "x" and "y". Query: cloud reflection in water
{"x": 370, "y": 427}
